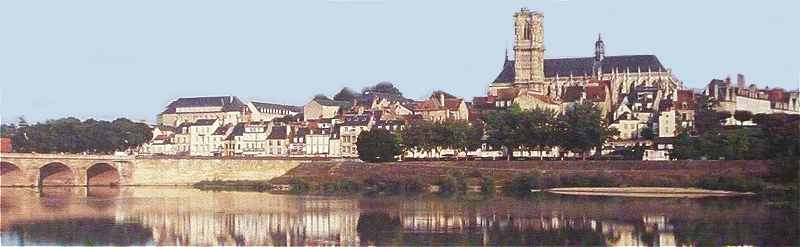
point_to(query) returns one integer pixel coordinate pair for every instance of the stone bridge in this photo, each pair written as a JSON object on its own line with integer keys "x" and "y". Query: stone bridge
{"x": 20, "y": 169}
{"x": 64, "y": 170}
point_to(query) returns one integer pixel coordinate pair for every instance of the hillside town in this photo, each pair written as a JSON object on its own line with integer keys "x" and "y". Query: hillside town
{"x": 638, "y": 96}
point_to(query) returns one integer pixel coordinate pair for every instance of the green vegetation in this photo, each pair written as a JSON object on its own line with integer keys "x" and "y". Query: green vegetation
{"x": 299, "y": 186}
{"x": 522, "y": 184}
{"x": 70, "y": 135}
{"x": 731, "y": 183}
{"x": 427, "y": 136}
{"x": 233, "y": 185}
{"x": 580, "y": 129}
{"x": 377, "y": 145}
{"x": 341, "y": 186}
{"x": 488, "y": 186}
{"x": 382, "y": 87}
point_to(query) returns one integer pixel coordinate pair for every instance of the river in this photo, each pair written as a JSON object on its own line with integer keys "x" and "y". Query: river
{"x": 185, "y": 216}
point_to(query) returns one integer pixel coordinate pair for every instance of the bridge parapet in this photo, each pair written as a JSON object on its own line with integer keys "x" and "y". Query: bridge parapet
{"x": 66, "y": 156}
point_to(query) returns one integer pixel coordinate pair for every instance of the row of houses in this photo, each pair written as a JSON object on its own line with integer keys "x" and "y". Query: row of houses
{"x": 227, "y": 126}
{"x": 644, "y": 115}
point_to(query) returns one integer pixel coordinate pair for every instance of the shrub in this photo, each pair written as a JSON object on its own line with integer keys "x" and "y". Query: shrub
{"x": 487, "y": 185}
{"x": 340, "y": 186}
{"x": 299, "y": 186}
{"x": 731, "y": 183}
{"x": 785, "y": 170}
{"x": 413, "y": 185}
{"x": 522, "y": 184}
{"x": 474, "y": 173}
{"x": 447, "y": 185}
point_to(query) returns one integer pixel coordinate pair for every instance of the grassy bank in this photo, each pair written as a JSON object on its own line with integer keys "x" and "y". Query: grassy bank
{"x": 522, "y": 177}
{"x": 233, "y": 185}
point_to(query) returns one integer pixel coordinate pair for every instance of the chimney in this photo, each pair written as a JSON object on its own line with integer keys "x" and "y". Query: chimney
{"x": 441, "y": 98}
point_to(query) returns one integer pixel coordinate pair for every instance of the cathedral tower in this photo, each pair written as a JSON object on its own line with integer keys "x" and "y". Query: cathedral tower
{"x": 529, "y": 48}
{"x": 599, "y": 55}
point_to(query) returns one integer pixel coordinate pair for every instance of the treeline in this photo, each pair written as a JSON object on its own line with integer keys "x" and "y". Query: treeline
{"x": 71, "y": 135}
{"x": 775, "y": 136}
{"x": 579, "y": 130}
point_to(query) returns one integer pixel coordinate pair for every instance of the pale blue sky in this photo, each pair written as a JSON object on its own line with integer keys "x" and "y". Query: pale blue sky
{"x": 106, "y": 59}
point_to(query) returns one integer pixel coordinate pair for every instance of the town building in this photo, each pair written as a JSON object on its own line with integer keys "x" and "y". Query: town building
{"x": 732, "y": 98}
{"x": 442, "y": 106}
{"x": 229, "y": 109}
{"x": 321, "y": 108}
{"x": 202, "y": 139}
{"x": 278, "y": 141}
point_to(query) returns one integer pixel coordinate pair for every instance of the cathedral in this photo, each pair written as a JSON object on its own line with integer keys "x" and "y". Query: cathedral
{"x": 551, "y": 82}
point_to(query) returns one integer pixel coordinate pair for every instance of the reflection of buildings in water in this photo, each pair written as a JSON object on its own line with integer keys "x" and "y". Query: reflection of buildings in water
{"x": 323, "y": 222}
{"x": 430, "y": 216}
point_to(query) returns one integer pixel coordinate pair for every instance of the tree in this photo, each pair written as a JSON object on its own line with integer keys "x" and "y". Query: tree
{"x": 539, "y": 127}
{"x": 377, "y": 145}
{"x": 742, "y": 116}
{"x": 503, "y": 130}
{"x": 321, "y": 97}
{"x": 706, "y": 119}
{"x": 346, "y": 94}
{"x": 73, "y": 136}
{"x": 382, "y": 87}
{"x": 585, "y": 129}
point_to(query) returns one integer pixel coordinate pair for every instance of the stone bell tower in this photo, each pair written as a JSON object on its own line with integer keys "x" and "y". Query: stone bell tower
{"x": 529, "y": 49}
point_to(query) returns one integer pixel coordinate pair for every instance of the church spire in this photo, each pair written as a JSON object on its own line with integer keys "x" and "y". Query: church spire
{"x": 599, "y": 48}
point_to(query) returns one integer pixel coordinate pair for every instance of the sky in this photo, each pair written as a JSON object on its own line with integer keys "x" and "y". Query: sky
{"x": 107, "y": 59}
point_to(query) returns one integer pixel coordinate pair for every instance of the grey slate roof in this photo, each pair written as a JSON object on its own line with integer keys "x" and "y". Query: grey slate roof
{"x": 228, "y": 103}
{"x": 329, "y": 102}
{"x": 580, "y": 66}
{"x": 262, "y": 105}
{"x": 278, "y": 132}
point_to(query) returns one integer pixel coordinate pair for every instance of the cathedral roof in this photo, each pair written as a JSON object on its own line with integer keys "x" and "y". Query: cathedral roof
{"x": 580, "y": 66}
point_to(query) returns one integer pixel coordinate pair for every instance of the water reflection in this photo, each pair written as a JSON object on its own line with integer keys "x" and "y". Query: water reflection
{"x": 137, "y": 216}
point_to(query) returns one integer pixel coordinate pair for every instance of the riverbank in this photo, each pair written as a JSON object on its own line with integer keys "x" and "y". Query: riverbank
{"x": 524, "y": 176}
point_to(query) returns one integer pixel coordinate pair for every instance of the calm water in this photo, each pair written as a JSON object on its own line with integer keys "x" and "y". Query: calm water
{"x": 169, "y": 216}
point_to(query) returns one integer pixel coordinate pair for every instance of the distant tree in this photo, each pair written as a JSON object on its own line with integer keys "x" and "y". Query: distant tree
{"x": 417, "y": 137}
{"x": 706, "y": 119}
{"x": 346, "y": 94}
{"x": 7, "y": 130}
{"x": 383, "y": 87}
{"x": 377, "y": 145}
{"x": 684, "y": 147}
{"x": 321, "y": 96}
{"x": 585, "y": 129}
{"x": 722, "y": 116}
{"x": 742, "y": 116}
{"x": 504, "y": 131}
{"x": 70, "y": 135}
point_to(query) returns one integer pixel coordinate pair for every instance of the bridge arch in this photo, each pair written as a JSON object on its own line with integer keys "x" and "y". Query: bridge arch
{"x": 56, "y": 174}
{"x": 10, "y": 174}
{"x": 102, "y": 174}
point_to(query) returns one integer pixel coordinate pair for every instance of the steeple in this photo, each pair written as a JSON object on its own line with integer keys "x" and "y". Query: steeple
{"x": 599, "y": 48}
{"x": 599, "y": 55}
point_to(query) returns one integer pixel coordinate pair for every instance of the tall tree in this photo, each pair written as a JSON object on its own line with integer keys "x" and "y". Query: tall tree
{"x": 585, "y": 129}
{"x": 346, "y": 94}
{"x": 383, "y": 87}
{"x": 377, "y": 145}
{"x": 742, "y": 116}
{"x": 504, "y": 131}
